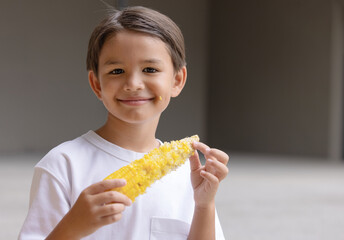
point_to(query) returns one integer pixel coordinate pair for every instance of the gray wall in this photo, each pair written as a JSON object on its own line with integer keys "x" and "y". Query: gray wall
{"x": 44, "y": 96}
{"x": 269, "y": 77}
{"x": 258, "y": 74}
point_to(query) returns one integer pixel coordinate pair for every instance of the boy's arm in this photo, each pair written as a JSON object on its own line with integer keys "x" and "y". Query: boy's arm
{"x": 94, "y": 208}
{"x": 203, "y": 223}
{"x": 205, "y": 181}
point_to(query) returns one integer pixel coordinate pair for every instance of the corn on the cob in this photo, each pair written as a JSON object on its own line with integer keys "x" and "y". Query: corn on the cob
{"x": 143, "y": 172}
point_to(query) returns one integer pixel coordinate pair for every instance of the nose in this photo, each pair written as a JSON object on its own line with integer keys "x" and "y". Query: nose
{"x": 133, "y": 82}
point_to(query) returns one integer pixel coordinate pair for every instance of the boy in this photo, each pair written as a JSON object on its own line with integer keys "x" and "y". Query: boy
{"x": 136, "y": 63}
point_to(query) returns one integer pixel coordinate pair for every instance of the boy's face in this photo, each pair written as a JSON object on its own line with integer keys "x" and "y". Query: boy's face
{"x": 136, "y": 78}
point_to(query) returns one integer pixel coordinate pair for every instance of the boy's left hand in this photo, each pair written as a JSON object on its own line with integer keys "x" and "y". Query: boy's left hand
{"x": 206, "y": 179}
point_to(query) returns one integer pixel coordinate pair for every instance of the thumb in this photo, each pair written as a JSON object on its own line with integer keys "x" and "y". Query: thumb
{"x": 195, "y": 163}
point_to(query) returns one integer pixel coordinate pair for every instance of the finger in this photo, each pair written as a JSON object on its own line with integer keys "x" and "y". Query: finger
{"x": 111, "y": 209}
{"x": 112, "y": 197}
{"x": 201, "y": 147}
{"x": 216, "y": 168}
{"x": 195, "y": 163}
{"x": 211, "y": 152}
{"x": 105, "y": 185}
{"x": 212, "y": 179}
{"x": 111, "y": 219}
{"x": 209, "y": 167}
{"x": 218, "y": 155}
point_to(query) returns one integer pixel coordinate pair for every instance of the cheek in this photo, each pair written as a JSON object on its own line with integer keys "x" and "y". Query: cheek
{"x": 166, "y": 87}
{"x": 109, "y": 87}
{"x": 164, "y": 103}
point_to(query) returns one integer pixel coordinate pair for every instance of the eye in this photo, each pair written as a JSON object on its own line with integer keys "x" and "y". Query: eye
{"x": 117, "y": 71}
{"x": 149, "y": 70}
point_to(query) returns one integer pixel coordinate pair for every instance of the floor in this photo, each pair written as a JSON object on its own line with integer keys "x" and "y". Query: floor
{"x": 263, "y": 197}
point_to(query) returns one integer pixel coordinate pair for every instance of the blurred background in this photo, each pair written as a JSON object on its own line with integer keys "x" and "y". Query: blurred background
{"x": 265, "y": 84}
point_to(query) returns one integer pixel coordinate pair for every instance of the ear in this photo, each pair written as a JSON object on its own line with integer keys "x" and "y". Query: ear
{"x": 95, "y": 84}
{"x": 179, "y": 82}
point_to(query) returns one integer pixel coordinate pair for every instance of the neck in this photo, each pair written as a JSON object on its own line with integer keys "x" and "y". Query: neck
{"x": 138, "y": 137}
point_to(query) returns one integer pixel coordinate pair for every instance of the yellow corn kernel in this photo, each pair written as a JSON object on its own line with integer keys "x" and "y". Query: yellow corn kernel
{"x": 143, "y": 172}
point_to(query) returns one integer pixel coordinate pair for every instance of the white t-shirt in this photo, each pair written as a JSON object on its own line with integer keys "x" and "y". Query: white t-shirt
{"x": 164, "y": 212}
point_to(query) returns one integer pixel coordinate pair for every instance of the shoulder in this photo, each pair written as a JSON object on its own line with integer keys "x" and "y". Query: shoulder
{"x": 60, "y": 155}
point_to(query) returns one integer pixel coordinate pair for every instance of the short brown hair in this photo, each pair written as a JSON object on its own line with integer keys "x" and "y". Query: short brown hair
{"x": 138, "y": 19}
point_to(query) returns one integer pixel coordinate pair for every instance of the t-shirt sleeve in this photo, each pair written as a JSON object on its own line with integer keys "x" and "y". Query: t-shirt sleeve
{"x": 49, "y": 202}
{"x": 218, "y": 228}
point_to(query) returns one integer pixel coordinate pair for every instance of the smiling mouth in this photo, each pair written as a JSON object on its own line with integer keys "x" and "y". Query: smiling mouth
{"x": 135, "y": 102}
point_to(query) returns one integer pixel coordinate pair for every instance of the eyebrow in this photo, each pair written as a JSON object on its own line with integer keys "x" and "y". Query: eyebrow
{"x": 112, "y": 62}
{"x": 151, "y": 60}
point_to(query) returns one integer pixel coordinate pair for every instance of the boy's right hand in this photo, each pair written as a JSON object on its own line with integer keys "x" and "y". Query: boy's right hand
{"x": 95, "y": 207}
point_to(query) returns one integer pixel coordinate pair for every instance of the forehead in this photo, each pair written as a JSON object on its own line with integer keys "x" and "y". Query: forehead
{"x": 131, "y": 44}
